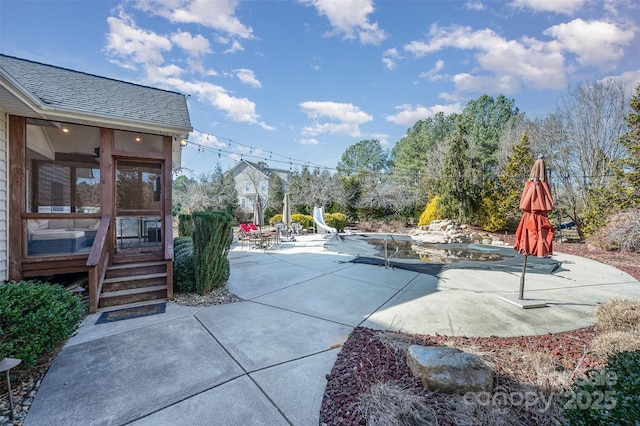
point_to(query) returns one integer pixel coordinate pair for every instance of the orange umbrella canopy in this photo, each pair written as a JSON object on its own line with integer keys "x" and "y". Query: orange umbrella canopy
{"x": 535, "y": 233}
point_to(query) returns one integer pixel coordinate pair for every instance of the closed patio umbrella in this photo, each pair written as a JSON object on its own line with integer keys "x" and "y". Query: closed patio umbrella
{"x": 534, "y": 236}
{"x": 258, "y": 212}
{"x": 286, "y": 210}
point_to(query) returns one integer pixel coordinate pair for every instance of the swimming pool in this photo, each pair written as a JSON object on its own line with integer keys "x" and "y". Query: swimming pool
{"x": 459, "y": 256}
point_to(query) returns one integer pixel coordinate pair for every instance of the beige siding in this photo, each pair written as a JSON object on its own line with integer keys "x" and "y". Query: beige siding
{"x": 4, "y": 199}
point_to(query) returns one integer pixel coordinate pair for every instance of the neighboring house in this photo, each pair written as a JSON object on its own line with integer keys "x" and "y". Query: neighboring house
{"x": 254, "y": 179}
{"x": 85, "y": 180}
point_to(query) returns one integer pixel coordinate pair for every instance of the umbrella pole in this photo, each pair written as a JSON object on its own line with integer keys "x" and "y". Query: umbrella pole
{"x": 524, "y": 268}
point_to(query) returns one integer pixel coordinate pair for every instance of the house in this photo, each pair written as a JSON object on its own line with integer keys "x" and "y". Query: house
{"x": 85, "y": 180}
{"x": 254, "y": 179}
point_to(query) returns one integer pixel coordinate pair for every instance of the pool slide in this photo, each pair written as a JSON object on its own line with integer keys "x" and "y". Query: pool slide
{"x": 318, "y": 217}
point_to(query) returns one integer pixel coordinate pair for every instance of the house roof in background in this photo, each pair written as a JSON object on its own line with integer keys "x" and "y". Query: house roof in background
{"x": 55, "y": 93}
{"x": 261, "y": 167}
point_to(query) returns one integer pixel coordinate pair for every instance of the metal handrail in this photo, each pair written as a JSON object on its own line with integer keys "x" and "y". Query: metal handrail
{"x": 387, "y": 262}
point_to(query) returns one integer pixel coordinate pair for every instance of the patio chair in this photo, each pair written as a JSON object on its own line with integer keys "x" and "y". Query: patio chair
{"x": 283, "y": 231}
{"x": 296, "y": 228}
{"x": 250, "y": 237}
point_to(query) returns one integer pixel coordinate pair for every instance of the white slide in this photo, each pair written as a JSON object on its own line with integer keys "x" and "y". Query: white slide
{"x": 318, "y": 217}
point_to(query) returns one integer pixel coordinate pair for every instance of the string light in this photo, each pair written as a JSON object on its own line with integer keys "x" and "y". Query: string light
{"x": 232, "y": 155}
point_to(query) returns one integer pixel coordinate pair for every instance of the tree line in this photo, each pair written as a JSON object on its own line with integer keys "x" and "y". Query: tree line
{"x": 474, "y": 164}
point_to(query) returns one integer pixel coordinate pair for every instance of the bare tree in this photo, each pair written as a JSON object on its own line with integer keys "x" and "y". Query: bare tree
{"x": 581, "y": 140}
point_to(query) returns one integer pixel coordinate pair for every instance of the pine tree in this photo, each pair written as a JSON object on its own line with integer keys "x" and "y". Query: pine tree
{"x": 511, "y": 181}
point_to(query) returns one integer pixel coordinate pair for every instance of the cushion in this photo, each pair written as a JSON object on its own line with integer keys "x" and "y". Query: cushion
{"x": 86, "y": 223}
{"x": 41, "y": 223}
{"x": 60, "y": 223}
{"x": 56, "y": 234}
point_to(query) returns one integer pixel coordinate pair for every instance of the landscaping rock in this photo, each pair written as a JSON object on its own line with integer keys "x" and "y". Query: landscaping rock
{"x": 449, "y": 370}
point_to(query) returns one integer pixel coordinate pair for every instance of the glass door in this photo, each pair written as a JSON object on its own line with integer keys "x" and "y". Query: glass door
{"x": 138, "y": 197}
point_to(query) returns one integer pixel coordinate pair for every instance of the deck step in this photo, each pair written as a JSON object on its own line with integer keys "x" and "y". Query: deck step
{"x": 134, "y": 269}
{"x": 133, "y": 295}
{"x": 135, "y": 265}
{"x": 134, "y": 282}
{"x": 134, "y": 278}
{"x": 132, "y": 291}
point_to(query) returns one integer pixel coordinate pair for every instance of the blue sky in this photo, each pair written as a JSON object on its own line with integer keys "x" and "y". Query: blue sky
{"x": 297, "y": 82}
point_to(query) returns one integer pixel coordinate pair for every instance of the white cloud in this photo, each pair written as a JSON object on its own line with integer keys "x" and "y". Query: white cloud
{"x": 434, "y": 73}
{"x": 389, "y": 58}
{"x": 409, "y": 114}
{"x": 594, "y": 42}
{"x": 630, "y": 80}
{"x": 204, "y": 139}
{"x": 247, "y": 77}
{"x": 241, "y": 110}
{"x": 127, "y": 40}
{"x": 474, "y": 5}
{"x": 157, "y": 73}
{"x": 568, "y": 7}
{"x": 350, "y": 18}
{"x": 309, "y": 141}
{"x": 235, "y": 47}
{"x": 194, "y": 46}
{"x": 218, "y": 15}
{"x": 383, "y": 138}
{"x": 507, "y": 64}
{"x": 342, "y": 118}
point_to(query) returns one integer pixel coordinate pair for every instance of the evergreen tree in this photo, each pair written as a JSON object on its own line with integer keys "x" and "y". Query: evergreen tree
{"x": 456, "y": 186}
{"x": 511, "y": 182}
{"x": 276, "y": 196}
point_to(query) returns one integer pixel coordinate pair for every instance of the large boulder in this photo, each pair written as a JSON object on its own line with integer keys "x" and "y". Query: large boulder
{"x": 449, "y": 370}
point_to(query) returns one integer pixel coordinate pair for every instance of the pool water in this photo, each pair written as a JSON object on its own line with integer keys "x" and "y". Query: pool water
{"x": 435, "y": 253}
{"x": 448, "y": 256}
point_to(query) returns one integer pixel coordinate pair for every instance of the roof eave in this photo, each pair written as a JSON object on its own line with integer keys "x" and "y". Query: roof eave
{"x": 67, "y": 114}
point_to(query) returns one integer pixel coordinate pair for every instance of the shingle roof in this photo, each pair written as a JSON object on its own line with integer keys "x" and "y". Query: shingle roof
{"x": 78, "y": 92}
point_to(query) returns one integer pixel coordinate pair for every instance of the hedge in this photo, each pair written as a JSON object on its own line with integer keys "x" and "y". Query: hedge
{"x": 212, "y": 239}
{"x": 185, "y": 225}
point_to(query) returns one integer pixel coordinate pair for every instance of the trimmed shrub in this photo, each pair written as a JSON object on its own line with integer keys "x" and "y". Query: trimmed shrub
{"x": 184, "y": 279}
{"x": 430, "y": 212}
{"x": 185, "y": 225}
{"x": 607, "y": 397}
{"x": 212, "y": 239}
{"x": 181, "y": 241}
{"x": 35, "y": 317}
{"x": 336, "y": 220}
{"x": 183, "y": 274}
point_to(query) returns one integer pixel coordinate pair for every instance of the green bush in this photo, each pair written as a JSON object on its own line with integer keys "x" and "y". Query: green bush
{"x": 35, "y": 316}
{"x": 610, "y": 396}
{"x": 211, "y": 242}
{"x": 181, "y": 241}
{"x": 184, "y": 279}
{"x": 336, "y": 220}
{"x": 185, "y": 225}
